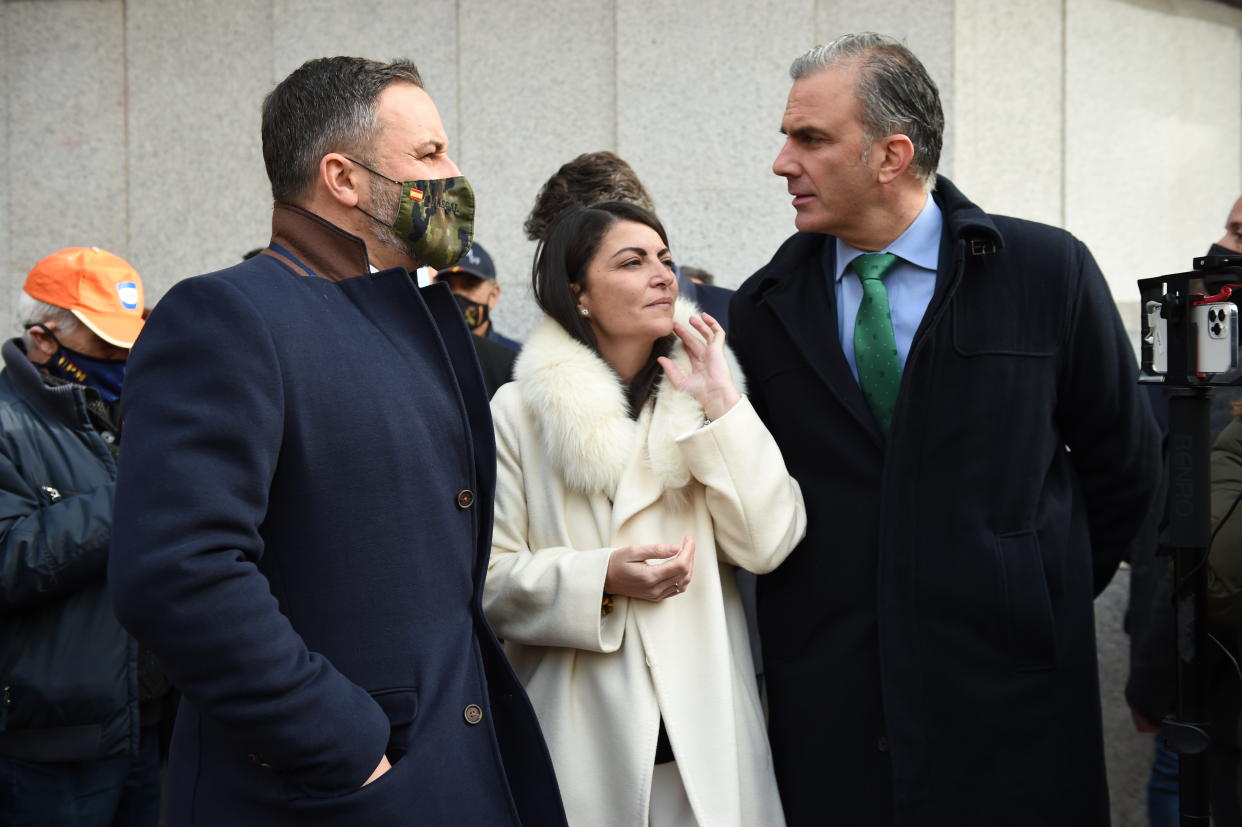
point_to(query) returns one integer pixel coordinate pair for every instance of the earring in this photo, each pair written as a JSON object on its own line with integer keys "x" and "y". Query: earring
{"x": 584, "y": 312}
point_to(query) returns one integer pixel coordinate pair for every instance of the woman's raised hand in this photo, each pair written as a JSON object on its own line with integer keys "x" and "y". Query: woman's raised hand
{"x": 709, "y": 382}
{"x": 651, "y": 572}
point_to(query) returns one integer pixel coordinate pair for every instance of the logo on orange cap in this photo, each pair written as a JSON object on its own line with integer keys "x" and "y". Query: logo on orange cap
{"x": 101, "y": 289}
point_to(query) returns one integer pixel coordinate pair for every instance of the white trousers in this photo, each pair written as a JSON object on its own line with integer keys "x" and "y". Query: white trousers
{"x": 669, "y": 805}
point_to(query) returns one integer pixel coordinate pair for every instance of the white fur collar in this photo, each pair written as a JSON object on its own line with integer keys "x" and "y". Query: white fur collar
{"x": 579, "y": 407}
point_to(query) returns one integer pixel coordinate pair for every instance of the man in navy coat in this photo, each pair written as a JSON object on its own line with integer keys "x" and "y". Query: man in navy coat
{"x": 303, "y": 513}
{"x": 957, "y": 397}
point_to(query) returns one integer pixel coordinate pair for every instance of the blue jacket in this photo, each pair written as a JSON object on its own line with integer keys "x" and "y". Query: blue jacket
{"x": 68, "y": 673}
{"x": 303, "y": 526}
{"x": 939, "y": 611}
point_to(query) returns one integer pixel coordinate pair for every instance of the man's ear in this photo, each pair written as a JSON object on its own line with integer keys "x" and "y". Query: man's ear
{"x": 44, "y": 344}
{"x": 494, "y": 296}
{"x": 895, "y": 154}
{"x": 342, "y": 179}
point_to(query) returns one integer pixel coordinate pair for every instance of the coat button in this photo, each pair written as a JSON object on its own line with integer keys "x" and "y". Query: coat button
{"x": 881, "y": 743}
{"x": 465, "y": 498}
{"x": 473, "y": 714}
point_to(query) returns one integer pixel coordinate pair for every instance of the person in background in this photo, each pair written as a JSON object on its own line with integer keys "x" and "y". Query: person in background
{"x": 1224, "y": 611}
{"x": 305, "y": 496}
{"x": 81, "y": 705}
{"x": 496, "y": 357}
{"x": 496, "y": 362}
{"x": 473, "y": 282}
{"x": 698, "y": 275}
{"x": 1225, "y": 577}
{"x": 633, "y": 476}
{"x": 972, "y": 480}
{"x": 1229, "y": 244}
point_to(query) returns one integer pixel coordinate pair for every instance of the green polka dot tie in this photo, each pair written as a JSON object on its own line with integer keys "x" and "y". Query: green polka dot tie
{"x": 875, "y": 347}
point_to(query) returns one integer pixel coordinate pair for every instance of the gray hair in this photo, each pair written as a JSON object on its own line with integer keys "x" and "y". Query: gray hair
{"x": 895, "y": 92}
{"x": 31, "y": 311}
{"x": 325, "y": 105}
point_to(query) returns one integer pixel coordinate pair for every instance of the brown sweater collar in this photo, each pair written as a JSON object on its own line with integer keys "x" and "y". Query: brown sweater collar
{"x": 318, "y": 244}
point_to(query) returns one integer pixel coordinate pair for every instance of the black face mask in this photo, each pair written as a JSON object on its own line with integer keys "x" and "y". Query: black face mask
{"x": 476, "y": 313}
{"x": 1217, "y": 250}
{"x": 104, "y": 375}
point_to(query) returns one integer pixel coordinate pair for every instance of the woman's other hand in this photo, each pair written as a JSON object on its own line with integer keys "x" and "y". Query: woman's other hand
{"x": 709, "y": 382}
{"x": 651, "y": 572}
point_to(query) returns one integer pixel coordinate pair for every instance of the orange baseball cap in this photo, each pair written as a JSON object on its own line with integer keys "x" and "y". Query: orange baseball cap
{"x": 101, "y": 289}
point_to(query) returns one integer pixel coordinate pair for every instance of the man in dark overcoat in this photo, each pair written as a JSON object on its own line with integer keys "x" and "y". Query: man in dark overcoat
{"x": 304, "y": 503}
{"x": 957, "y": 397}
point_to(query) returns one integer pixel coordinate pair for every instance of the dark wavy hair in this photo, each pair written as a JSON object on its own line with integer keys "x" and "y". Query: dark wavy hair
{"x": 561, "y": 260}
{"x": 587, "y": 179}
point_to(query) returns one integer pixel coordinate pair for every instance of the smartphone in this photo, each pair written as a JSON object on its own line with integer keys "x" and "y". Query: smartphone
{"x": 1216, "y": 337}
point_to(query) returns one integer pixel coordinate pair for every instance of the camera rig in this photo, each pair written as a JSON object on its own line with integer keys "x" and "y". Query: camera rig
{"x": 1190, "y": 334}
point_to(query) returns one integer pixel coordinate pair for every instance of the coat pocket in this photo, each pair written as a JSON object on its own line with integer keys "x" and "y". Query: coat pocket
{"x": 1032, "y": 633}
{"x": 401, "y": 707}
{"x": 993, "y": 317}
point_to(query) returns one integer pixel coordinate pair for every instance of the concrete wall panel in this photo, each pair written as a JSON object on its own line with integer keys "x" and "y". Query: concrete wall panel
{"x": 9, "y": 269}
{"x": 700, "y": 98}
{"x": 1009, "y": 124}
{"x": 199, "y": 196}
{"x": 424, "y": 32}
{"x": 537, "y": 89}
{"x": 65, "y": 159}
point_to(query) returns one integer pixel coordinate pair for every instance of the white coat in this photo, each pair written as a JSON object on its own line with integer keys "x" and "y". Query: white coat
{"x": 577, "y": 478}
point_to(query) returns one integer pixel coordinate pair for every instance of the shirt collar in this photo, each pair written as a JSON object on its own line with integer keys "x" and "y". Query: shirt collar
{"x": 919, "y": 244}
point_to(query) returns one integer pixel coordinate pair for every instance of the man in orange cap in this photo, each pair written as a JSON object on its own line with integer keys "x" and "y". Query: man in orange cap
{"x": 89, "y": 308}
{"x": 78, "y": 737}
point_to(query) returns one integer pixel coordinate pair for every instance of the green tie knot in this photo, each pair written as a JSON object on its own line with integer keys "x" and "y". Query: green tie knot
{"x": 871, "y": 266}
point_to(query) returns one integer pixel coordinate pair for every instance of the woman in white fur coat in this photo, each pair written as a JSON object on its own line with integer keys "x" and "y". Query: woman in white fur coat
{"x": 632, "y": 475}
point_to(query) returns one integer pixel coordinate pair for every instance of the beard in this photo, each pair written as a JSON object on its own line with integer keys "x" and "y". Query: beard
{"x": 385, "y": 202}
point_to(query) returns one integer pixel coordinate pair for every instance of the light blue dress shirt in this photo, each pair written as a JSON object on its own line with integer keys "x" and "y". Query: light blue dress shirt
{"x": 911, "y": 282}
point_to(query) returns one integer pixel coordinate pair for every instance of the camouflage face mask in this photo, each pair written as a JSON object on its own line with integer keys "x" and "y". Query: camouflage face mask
{"x": 435, "y": 218}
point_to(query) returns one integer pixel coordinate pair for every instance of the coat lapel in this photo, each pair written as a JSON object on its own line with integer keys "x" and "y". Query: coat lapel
{"x": 804, "y": 302}
{"x": 638, "y": 486}
{"x": 579, "y": 405}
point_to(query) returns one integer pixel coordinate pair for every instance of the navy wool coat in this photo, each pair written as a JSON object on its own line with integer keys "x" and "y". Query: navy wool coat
{"x": 929, "y": 647}
{"x": 303, "y": 523}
